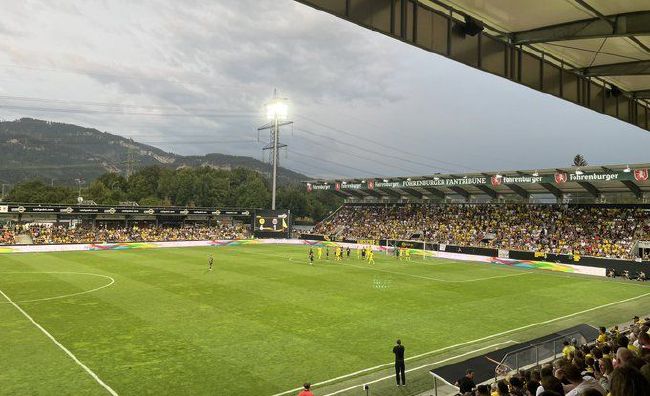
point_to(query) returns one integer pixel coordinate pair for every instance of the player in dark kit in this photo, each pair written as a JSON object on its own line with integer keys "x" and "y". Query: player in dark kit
{"x": 311, "y": 256}
{"x": 210, "y": 261}
{"x": 400, "y": 367}
{"x": 347, "y": 252}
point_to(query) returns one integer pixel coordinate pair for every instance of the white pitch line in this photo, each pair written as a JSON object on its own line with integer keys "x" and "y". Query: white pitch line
{"x": 473, "y": 341}
{"x": 65, "y": 295}
{"x": 64, "y": 349}
{"x": 421, "y": 367}
{"x": 437, "y": 279}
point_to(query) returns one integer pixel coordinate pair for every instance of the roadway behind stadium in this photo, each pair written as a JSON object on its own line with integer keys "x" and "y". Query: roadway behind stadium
{"x": 264, "y": 321}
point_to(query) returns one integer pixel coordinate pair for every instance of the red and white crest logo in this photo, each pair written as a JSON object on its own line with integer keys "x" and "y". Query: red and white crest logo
{"x": 337, "y": 186}
{"x": 309, "y": 187}
{"x": 641, "y": 174}
{"x": 371, "y": 184}
{"x": 560, "y": 177}
{"x": 496, "y": 181}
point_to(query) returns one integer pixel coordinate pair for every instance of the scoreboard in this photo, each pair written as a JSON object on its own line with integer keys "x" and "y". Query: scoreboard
{"x": 272, "y": 224}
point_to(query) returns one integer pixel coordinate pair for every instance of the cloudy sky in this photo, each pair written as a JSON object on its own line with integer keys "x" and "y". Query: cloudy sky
{"x": 192, "y": 77}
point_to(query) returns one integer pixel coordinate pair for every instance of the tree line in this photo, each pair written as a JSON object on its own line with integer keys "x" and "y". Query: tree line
{"x": 192, "y": 187}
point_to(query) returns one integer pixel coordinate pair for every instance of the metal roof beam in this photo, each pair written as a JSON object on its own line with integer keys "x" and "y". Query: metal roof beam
{"x": 642, "y": 94}
{"x": 590, "y": 188}
{"x": 413, "y": 192}
{"x": 373, "y": 193}
{"x": 461, "y": 191}
{"x": 355, "y": 193}
{"x": 633, "y": 187}
{"x": 518, "y": 190}
{"x": 634, "y": 68}
{"x": 435, "y": 191}
{"x": 340, "y": 194}
{"x": 552, "y": 189}
{"x": 620, "y": 25}
{"x": 493, "y": 194}
{"x": 391, "y": 192}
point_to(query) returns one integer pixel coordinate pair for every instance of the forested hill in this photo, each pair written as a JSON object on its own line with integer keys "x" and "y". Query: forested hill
{"x": 31, "y": 148}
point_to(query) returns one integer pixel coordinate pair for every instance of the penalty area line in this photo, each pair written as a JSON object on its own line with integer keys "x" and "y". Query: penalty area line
{"x": 545, "y": 322}
{"x": 63, "y": 348}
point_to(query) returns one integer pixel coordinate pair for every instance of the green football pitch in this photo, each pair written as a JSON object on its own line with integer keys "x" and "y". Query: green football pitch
{"x": 264, "y": 321}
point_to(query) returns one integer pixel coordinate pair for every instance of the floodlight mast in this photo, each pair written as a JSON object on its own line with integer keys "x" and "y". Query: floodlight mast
{"x": 276, "y": 111}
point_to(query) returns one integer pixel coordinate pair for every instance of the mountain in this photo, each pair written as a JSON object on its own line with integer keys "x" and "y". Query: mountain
{"x": 61, "y": 153}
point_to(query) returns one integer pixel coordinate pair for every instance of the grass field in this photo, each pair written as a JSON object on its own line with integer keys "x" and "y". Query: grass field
{"x": 263, "y": 321}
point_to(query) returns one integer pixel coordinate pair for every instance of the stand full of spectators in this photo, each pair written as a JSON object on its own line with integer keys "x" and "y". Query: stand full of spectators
{"x": 62, "y": 234}
{"x": 598, "y": 231}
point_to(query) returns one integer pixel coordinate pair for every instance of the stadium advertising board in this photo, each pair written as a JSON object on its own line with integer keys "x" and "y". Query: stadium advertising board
{"x": 272, "y": 224}
{"x": 558, "y": 178}
{"x": 107, "y": 210}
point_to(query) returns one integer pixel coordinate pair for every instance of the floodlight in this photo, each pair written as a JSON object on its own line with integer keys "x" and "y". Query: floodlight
{"x": 579, "y": 172}
{"x": 385, "y": 180}
{"x": 535, "y": 174}
{"x": 627, "y": 169}
{"x": 498, "y": 176}
{"x": 277, "y": 109}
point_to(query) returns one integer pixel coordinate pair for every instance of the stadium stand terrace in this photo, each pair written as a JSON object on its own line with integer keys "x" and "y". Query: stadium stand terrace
{"x": 589, "y": 231}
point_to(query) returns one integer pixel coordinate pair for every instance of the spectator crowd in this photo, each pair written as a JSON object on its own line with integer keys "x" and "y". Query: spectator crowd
{"x": 62, "y": 234}
{"x": 617, "y": 364}
{"x": 589, "y": 231}
{"x": 7, "y": 236}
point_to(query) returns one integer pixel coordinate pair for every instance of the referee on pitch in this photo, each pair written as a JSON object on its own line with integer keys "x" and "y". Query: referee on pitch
{"x": 400, "y": 367}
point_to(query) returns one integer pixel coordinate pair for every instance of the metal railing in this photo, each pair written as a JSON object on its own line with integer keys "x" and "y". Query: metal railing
{"x": 536, "y": 354}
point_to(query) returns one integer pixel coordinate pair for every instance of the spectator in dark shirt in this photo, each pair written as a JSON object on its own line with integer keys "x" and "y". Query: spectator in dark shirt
{"x": 400, "y": 367}
{"x": 466, "y": 383}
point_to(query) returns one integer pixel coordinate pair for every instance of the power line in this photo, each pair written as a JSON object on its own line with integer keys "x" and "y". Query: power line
{"x": 336, "y": 163}
{"x": 103, "y": 104}
{"x": 383, "y": 154}
{"x": 373, "y": 160}
{"x": 88, "y": 111}
{"x": 198, "y": 81}
{"x": 388, "y": 147}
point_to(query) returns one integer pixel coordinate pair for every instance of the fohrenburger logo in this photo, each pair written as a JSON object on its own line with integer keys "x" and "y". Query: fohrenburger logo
{"x": 496, "y": 181}
{"x": 371, "y": 184}
{"x": 641, "y": 174}
{"x": 560, "y": 177}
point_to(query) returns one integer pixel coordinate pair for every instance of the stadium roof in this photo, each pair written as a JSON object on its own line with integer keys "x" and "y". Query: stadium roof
{"x": 592, "y": 180}
{"x": 595, "y": 53}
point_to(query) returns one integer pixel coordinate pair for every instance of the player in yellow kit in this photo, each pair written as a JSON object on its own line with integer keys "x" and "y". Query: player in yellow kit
{"x": 319, "y": 251}
{"x": 371, "y": 256}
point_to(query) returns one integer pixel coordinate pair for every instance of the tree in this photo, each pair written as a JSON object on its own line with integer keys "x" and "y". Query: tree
{"x": 145, "y": 182}
{"x": 579, "y": 160}
{"x": 293, "y": 198}
{"x": 35, "y": 191}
